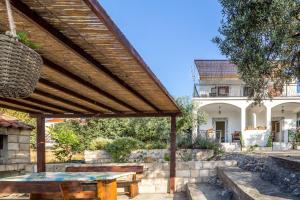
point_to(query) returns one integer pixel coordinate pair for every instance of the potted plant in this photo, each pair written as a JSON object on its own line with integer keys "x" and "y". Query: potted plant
{"x": 20, "y": 64}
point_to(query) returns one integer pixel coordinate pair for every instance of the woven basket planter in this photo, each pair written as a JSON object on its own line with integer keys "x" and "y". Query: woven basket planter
{"x": 20, "y": 68}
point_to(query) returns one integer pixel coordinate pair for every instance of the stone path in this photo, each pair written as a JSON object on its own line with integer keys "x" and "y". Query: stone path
{"x": 176, "y": 196}
{"x": 206, "y": 191}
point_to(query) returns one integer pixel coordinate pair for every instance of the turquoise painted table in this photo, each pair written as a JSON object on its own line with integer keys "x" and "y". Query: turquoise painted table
{"x": 64, "y": 184}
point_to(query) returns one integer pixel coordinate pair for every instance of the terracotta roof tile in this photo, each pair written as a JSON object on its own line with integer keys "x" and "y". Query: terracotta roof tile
{"x": 12, "y": 122}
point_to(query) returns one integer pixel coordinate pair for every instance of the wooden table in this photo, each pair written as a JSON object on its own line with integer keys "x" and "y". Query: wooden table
{"x": 64, "y": 184}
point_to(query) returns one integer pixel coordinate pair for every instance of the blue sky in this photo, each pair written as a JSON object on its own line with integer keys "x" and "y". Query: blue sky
{"x": 169, "y": 35}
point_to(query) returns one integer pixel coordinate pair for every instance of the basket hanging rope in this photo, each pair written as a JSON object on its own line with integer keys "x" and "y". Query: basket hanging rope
{"x": 20, "y": 66}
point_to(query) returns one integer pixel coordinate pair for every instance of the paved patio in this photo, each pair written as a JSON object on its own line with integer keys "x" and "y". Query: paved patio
{"x": 176, "y": 196}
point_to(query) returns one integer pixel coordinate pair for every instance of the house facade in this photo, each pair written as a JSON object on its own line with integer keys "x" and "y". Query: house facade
{"x": 220, "y": 94}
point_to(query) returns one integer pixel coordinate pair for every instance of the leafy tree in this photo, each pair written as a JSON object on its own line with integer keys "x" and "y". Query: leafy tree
{"x": 67, "y": 142}
{"x": 262, "y": 38}
{"x": 152, "y": 131}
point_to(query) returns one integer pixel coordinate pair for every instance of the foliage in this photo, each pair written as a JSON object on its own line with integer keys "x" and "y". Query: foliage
{"x": 186, "y": 121}
{"x": 99, "y": 144}
{"x": 298, "y": 137}
{"x": 24, "y": 38}
{"x": 262, "y": 38}
{"x": 67, "y": 143}
{"x": 156, "y": 145}
{"x": 270, "y": 141}
{"x": 154, "y": 132}
{"x": 121, "y": 148}
{"x": 184, "y": 142}
{"x": 292, "y": 136}
{"x": 167, "y": 157}
{"x": 24, "y": 117}
{"x": 204, "y": 143}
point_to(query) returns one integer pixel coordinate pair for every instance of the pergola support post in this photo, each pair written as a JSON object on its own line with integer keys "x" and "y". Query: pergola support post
{"x": 173, "y": 154}
{"x": 40, "y": 144}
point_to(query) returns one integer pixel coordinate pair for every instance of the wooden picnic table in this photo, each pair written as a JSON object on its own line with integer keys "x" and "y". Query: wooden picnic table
{"x": 64, "y": 184}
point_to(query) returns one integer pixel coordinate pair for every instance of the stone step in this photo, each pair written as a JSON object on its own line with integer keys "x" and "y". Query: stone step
{"x": 249, "y": 186}
{"x": 206, "y": 191}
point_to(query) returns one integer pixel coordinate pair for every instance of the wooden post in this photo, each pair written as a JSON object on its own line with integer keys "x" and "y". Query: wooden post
{"x": 173, "y": 154}
{"x": 40, "y": 144}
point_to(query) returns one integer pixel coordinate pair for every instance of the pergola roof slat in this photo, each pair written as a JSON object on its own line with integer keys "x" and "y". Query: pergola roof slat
{"x": 76, "y": 95}
{"x": 62, "y": 38}
{"x": 59, "y": 69}
{"x": 65, "y": 101}
{"x": 89, "y": 65}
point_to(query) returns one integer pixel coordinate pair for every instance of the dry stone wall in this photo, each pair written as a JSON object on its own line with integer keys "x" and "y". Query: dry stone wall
{"x": 148, "y": 156}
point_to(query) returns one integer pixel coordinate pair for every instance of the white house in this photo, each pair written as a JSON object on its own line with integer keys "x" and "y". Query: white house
{"x": 223, "y": 97}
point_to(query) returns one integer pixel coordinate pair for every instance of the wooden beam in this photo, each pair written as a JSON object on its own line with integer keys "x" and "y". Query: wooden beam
{"x": 41, "y": 22}
{"x": 50, "y": 105}
{"x": 65, "y": 101}
{"x": 76, "y": 95}
{"x": 40, "y": 143}
{"x": 173, "y": 154}
{"x": 120, "y": 115}
{"x": 18, "y": 109}
{"x": 26, "y": 105}
{"x": 79, "y": 80}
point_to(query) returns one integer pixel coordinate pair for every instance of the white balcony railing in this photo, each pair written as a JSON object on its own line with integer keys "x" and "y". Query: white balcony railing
{"x": 238, "y": 90}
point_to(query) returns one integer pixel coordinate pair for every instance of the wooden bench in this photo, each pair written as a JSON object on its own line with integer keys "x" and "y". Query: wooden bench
{"x": 130, "y": 186}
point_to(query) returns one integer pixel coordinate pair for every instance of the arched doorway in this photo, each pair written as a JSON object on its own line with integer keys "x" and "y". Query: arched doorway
{"x": 256, "y": 117}
{"x": 285, "y": 120}
{"x": 222, "y": 120}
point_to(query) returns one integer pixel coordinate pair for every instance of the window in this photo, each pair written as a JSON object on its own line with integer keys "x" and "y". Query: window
{"x": 223, "y": 91}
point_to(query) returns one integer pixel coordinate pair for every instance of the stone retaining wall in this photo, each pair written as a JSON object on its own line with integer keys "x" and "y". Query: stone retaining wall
{"x": 149, "y": 156}
{"x": 156, "y": 175}
{"x": 270, "y": 170}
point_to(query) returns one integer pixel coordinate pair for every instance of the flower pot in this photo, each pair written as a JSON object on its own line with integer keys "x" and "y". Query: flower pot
{"x": 20, "y": 68}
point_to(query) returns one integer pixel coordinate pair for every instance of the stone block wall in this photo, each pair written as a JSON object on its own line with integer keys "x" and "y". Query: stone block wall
{"x": 156, "y": 175}
{"x": 17, "y": 151}
{"x": 154, "y": 155}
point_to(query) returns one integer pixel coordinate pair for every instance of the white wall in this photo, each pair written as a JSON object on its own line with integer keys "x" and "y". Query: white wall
{"x": 289, "y": 122}
{"x": 234, "y": 121}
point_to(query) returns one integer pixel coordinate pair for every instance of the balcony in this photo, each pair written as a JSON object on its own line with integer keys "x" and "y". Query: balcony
{"x": 240, "y": 90}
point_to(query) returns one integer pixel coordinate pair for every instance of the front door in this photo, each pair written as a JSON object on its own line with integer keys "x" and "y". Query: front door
{"x": 220, "y": 131}
{"x": 276, "y": 131}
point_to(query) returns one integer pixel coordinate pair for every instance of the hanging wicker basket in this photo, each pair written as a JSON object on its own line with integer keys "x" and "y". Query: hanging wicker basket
{"x": 20, "y": 68}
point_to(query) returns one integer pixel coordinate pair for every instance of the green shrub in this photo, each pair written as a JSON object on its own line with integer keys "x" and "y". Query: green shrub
{"x": 99, "y": 143}
{"x": 204, "y": 143}
{"x": 270, "y": 141}
{"x": 156, "y": 145}
{"x": 121, "y": 148}
{"x": 184, "y": 142}
{"x": 298, "y": 137}
{"x": 167, "y": 157}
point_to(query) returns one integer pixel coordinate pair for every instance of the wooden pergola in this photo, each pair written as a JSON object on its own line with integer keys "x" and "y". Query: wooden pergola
{"x": 90, "y": 69}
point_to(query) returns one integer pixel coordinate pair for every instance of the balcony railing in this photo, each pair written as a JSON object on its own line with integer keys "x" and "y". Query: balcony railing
{"x": 239, "y": 90}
